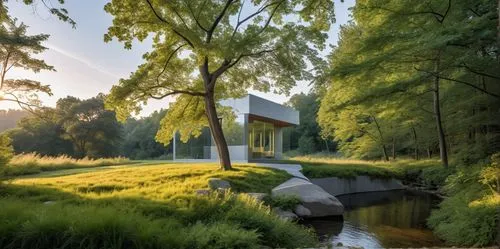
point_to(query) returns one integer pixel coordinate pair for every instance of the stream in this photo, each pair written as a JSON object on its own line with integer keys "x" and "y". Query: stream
{"x": 395, "y": 218}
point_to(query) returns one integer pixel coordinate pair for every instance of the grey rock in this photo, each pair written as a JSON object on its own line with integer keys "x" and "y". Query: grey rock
{"x": 302, "y": 211}
{"x": 202, "y": 192}
{"x": 285, "y": 215}
{"x": 314, "y": 198}
{"x": 258, "y": 196}
{"x": 217, "y": 183}
{"x": 49, "y": 203}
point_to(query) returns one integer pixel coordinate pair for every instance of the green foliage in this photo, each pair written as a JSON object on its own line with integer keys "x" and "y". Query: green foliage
{"x": 6, "y": 150}
{"x": 286, "y": 202}
{"x": 150, "y": 206}
{"x": 79, "y": 128}
{"x": 17, "y": 51}
{"x": 469, "y": 216}
{"x": 139, "y": 138}
{"x": 381, "y": 84}
{"x": 306, "y": 136}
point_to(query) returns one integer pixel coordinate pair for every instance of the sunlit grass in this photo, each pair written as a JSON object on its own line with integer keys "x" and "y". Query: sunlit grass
{"x": 33, "y": 163}
{"x": 151, "y": 206}
{"x": 339, "y": 167}
{"x": 159, "y": 182}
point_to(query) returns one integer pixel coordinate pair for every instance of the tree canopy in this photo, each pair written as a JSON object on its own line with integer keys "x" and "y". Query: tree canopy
{"x": 412, "y": 76}
{"x": 205, "y": 51}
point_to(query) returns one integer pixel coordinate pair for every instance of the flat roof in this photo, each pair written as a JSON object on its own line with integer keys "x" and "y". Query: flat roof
{"x": 262, "y": 109}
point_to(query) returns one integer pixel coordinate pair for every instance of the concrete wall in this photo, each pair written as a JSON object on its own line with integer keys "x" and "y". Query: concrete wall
{"x": 236, "y": 152}
{"x": 278, "y": 143}
{"x": 360, "y": 184}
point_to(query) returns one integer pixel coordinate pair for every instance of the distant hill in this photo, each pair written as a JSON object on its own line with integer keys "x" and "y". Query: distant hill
{"x": 9, "y": 118}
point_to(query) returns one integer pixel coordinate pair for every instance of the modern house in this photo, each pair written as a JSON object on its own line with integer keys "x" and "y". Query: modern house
{"x": 257, "y": 133}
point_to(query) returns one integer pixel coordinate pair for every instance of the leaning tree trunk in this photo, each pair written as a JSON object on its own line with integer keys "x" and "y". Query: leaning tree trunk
{"x": 216, "y": 129}
{"x": 437, "y": 113}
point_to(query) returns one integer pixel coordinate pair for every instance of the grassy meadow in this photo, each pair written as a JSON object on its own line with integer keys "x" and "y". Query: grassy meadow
{"x": 32, "y": 163}
{"x": 145, "y": 206}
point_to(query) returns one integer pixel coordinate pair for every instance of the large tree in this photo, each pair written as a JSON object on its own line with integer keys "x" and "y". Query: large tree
{"x": 207, "y": 50}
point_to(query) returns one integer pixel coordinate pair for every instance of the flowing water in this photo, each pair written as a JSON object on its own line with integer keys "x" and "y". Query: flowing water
{"x": 379, "y": 220}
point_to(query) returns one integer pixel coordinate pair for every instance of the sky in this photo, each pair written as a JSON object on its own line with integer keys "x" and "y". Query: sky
{"x": 86, "y": 65}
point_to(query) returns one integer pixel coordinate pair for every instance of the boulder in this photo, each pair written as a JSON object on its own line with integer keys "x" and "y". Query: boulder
{"x": 285, "y": 215}
{"x": 258, "y": 196}
{"x": 302, "y": 211}
{"x": 217, "y": 183}
{"x": 202, "y": 192}
{"x": 313, "y": 198}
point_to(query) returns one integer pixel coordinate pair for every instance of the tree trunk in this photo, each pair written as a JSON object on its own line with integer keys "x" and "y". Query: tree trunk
{"x": 437, "y": 113}
{"x": 384, "y": 150}
{"x": 429, "y": 153}
{"x": 216, "y": 129}
{"x": 326, "y": 144}
{"x": 393, "y": 149}
{"x": 416, "y": 142}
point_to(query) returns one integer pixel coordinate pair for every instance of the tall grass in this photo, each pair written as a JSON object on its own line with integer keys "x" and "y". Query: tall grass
{"x": 33, "y": 163}
{"x": 146, "y": 207}
{"x": 316, "y": 167}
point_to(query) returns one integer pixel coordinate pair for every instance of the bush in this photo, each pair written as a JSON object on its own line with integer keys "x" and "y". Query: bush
{"x": 307, "y": 145}
{"x": 286, "y": 202}
{"x": 6, "y": 150}
{"x": 469, "y": 216}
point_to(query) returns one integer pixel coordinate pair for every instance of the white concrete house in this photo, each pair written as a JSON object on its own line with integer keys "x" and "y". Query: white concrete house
{"x": 256, "y": 134}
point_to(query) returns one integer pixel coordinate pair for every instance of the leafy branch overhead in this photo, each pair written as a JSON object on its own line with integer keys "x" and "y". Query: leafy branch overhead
{"x": 17, "y": 50}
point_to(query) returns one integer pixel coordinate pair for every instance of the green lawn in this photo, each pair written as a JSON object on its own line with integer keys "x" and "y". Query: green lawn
{"x": 425, "y": 172}
{"x": 143, "y": 206}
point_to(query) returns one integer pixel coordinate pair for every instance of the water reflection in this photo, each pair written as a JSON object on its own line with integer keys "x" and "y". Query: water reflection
{"x": 380, "y": 219}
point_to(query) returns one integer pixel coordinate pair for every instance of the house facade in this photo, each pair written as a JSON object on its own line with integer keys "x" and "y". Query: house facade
{"x": 257, "y": 133}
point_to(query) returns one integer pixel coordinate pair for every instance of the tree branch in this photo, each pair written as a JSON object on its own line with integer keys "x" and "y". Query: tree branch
{"x": 196, "y": 17}
{"x": 260, "y": 10}
{"x": 217, "y": 20}
{"x": 165, "y": 21}
{"x": 458, "y": 81}
{"x": 175, "y": 92}
{"x": 166, "y": 63}
{"x": 477, "y": 72}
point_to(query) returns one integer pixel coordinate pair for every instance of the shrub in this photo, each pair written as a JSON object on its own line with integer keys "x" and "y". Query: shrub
{"x": 6, "y": 150}
{"x": 469, "y": 216}
{"x": 286, "y": 202}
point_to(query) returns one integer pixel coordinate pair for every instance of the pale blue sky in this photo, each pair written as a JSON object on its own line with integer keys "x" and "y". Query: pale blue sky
{"x": 86, "y": 65}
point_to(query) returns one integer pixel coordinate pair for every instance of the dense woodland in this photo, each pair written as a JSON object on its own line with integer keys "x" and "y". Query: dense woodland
{"x": 416, "y": 80}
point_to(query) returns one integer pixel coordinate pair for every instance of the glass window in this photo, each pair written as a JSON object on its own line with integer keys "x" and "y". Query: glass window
{"x": 261, "y": 140}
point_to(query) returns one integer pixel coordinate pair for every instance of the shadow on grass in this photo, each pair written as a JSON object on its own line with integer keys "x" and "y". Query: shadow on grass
{"x": 69, "y": 220}
{"x": 45, "y": 216}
